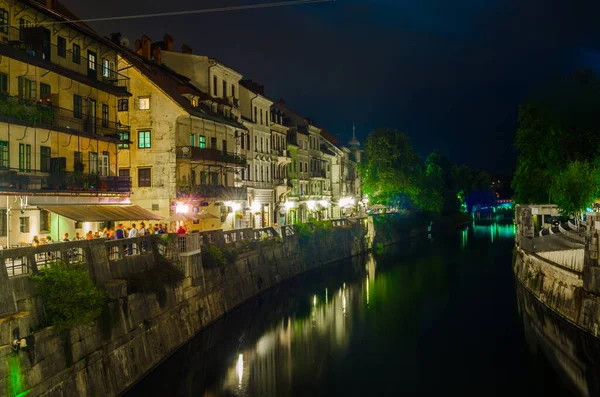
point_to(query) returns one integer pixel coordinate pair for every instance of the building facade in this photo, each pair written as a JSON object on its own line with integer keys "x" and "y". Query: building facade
{"x": 59, "y": 135}
{"x": 185, "y": 154}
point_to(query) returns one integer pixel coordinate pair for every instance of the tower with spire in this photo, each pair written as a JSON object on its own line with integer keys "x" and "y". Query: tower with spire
{"x": 355, "y": 145}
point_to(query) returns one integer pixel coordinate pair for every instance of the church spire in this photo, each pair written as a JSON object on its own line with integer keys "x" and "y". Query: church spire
{"x": 354, "y": 142}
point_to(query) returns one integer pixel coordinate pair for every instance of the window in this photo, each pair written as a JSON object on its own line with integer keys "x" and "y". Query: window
{"x": 213, "y": 143}
{"x": 192, "y": 139}
{"x": 145, "y": 103}
{"x": 62, "y": 47}
{"x": 203, "y": 177}
{"x": 93, "y": 162}
{"x": 44, "y": 221}
{"x": 255, "y": 114}
{"x": 76, "y": 52}
{"x": 3, "y": 83}
{"x": 255, "y": 143}
{"x": 261, "y": 116}
{"x": 26, "y": 89}
{"x": 124, "y": 136}
{"x": 24, "y": 157}
{"x": 45, "y": 90}
{"x": 45, "y": 158}
{"x": 124, "y": 172}
{"x": 243, "y": 141}
{"x": 143, "y": 139}
{"x": 224, "y": 147}
{"x": 91, "y": 60}
{"x": 3, "y": 223}
{"x": 3, "y": 21}
{"x": 224, "y": 89}
{"x": 123, "y": 105}
{"x": 77, "y": 106}
{"x": 202, "y": 141}
{"x": 77, "y": 160}
{"x": 255, "y": 172}
{"x": 104, "y": 115}
{"x": 248, "y": 141}
{"x": 108, "y": 68}
{"x": 214, "y": 178}
{"x": 24, "y": 224}
{"x": 4, "y": 163}
{"x": 215, "y": 85}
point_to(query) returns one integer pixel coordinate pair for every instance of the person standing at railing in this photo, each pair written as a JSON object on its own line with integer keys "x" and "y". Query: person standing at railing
{"x": 66, "y": 237}
{"x": 142, "y": 232}
{"x": 181, "y": 230}
{"x": 133, "y": 233}
{"x": 36, "y": 241}
{"x": 89, "y": 235}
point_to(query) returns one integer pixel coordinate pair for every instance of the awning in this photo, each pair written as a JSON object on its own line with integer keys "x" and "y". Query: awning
{"x": 101, "y": 213}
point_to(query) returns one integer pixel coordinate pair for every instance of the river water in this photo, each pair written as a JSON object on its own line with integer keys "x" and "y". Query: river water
{"x": 426, "y": 318}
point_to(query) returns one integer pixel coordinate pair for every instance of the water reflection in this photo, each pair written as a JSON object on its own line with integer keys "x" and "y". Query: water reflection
{"x": 574, "y": 354}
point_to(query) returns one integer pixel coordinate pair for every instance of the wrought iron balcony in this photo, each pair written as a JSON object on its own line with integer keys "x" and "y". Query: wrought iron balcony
{"x": 206, "y": 154}
{"x": 61, "y": 181}
{"x": 44, "y": 114}
{"x": 318, "y": 174}
{"x": 34, "y": 48}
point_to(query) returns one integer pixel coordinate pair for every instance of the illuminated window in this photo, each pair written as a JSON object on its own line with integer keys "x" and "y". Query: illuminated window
{"x": 202, "y": 141}
{"x": 143, "y": 139}
{"x": 3, "y": 21}
{"x": 24, "y": 224}
{"x": 24, "y": 157}
{"x": 124, "y": 136}
{"x": 4, "y": 155}
{"x": 144, "y": 103}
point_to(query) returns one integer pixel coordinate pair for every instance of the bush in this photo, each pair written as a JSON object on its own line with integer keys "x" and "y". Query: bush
{"x": 304, "y": 232}
{"x": 70, "y": 296}
{"x": 269, "y": 241}
{"x": 230, "y": 253}
{"x": 212, "y": 256}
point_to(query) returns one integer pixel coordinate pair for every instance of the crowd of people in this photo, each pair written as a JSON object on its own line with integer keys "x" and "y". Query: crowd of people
{"x": 119, "y": 232}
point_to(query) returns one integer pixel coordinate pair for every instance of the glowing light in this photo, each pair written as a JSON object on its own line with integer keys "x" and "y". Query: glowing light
{"x": 182, "y": 208}
{"x": 368, "y": 290}
{"x": 239, "y": 368}
{"x": 255, "y": 207}
{"x": 324, "y": 203}
{"x": 344, "y": 304}
{"x": 311, "y": 204}
{"x": 289, "y": 204}
{"x": 315, "y": 300}
{"x": 326, "y": 298}
{"x": 234, "y": 206}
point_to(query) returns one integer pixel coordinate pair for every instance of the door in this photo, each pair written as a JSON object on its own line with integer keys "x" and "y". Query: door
{"x": 92, "y": 116}
{"x": 92, "y": 65}
{"x": 93, "y": 163}
{"x": 46, "y": 45}
{"x": 104, "y": 164}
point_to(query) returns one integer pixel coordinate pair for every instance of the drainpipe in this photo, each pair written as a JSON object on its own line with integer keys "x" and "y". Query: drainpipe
{"x": 8, "y": 227}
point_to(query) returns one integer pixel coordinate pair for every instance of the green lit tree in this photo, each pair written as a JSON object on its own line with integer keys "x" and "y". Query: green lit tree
{"x": 575, "y": 188}
{"x": 389, "y": 167}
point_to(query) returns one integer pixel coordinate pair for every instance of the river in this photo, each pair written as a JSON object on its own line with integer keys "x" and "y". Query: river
{"x": 426, "y": 318}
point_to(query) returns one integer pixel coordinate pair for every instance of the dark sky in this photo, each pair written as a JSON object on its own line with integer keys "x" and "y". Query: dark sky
{"x": 449, "y": 73}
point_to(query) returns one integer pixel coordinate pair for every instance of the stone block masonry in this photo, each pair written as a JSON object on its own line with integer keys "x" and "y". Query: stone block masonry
{"x": 137, "y": 331}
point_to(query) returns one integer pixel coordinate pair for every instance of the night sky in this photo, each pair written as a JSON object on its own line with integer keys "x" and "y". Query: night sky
{"x": 449, "y": 73}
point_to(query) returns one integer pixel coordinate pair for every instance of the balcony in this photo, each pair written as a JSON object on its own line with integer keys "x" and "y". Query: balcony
{"x": 43, "y": 114}
{"x": 283, "y": 182}
{"x": 61, "y": 182}
{"x": 215, "y": 192}
{"x": 214, "y": 155}
{"x": 31, "y": 46}
{"x": 318, "y": 174}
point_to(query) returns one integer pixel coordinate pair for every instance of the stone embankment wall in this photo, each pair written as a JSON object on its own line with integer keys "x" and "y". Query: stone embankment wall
{"x": 566, "y": 280}
{"x": 139, "y": 330}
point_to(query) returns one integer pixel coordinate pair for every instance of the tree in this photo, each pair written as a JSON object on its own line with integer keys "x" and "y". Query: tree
{"x": 389, "y": 168}
{"x": 557, "y": 126}
{"x": 575, "y": 188}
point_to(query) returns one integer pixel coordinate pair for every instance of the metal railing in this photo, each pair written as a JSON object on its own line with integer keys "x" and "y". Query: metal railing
{"x": 209, "y": 154}
{"x": 119, "y": 249}
{"x": 30, "y": 41}
{"x": 34, "y": 180}
{"x": 44, "y": 114}
{"x": 226, "y": 193}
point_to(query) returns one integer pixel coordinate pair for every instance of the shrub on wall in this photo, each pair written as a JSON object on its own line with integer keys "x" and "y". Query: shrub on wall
{"x": 212, "y": 256}
{"x": 69, "y": 294}
{"x": 155, "y": 280}
{"x": 304, "y": 232}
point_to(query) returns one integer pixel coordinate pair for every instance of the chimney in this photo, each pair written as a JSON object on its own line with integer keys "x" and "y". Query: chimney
{"x": 168, "y": 40}
{"x": 146, "y": 44}
{"x": 186, "y": 49}
{"x": 138, "y": 46}
{"x": 156, "y": 54}
{"x": 116, "y": 38}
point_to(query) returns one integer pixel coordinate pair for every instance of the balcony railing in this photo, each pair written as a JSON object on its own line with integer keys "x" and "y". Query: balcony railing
{"x": 62, "y": 181}
{"x": 208, "y": 191}
{"x": 32, "y": 41}
{"x": 318, "y": 174}
{"x": 206, "y": 154}
{"x": 44, "y": 114}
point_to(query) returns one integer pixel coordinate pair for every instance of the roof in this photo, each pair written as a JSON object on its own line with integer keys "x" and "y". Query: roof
{"x": 102, "y": 213}
{"x": 327, "y": 135}
{"x": 175, "y": 85}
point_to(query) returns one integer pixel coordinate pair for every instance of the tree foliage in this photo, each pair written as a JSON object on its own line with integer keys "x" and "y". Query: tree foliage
{"x": 576, "y": 187}
{"x": 558, "y": 126}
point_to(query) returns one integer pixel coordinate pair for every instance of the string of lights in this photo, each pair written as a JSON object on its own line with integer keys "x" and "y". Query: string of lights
{"x": 188, "y": 12}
